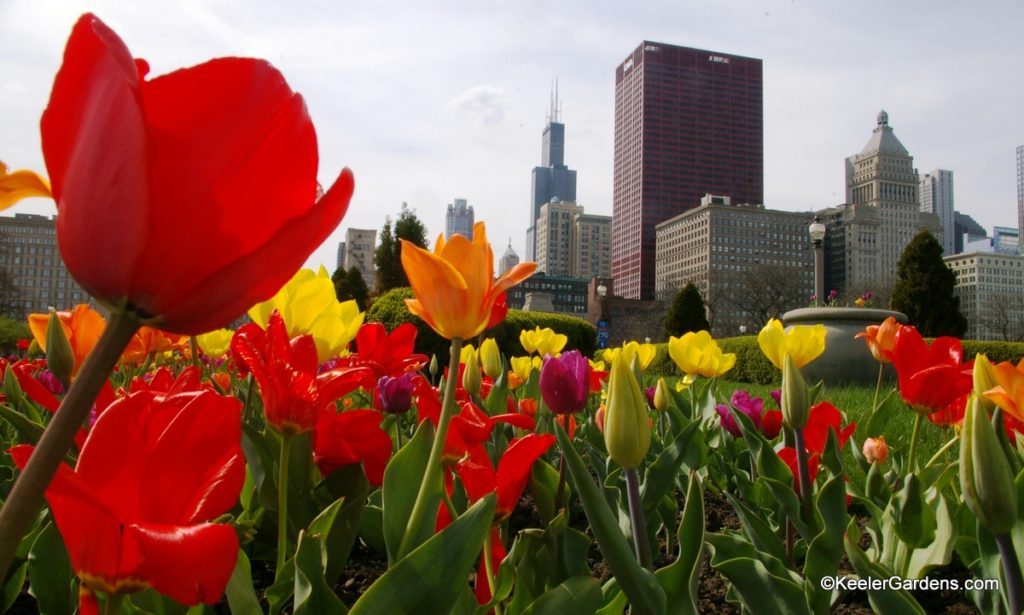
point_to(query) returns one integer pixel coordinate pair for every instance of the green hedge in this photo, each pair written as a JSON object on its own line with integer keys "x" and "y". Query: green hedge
{"x": 10, "y": 332}
{"x": 997, "y": 352}
{"x": 751, "y": 364}
{"x": 390, "y": 310}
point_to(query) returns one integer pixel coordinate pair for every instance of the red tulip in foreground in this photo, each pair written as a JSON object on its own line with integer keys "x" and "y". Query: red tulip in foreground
{"x": 183, "y": 200}
{"x": 134, "y": 512}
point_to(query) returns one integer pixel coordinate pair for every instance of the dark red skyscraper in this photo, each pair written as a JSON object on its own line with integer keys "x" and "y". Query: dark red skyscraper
{"x": 687, "y": 122}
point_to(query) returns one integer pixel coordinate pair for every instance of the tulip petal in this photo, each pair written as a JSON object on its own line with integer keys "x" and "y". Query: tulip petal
{"x": 20, "y": 185}
{"x": 189, "y": 564}
{"x": 89, "y": 161}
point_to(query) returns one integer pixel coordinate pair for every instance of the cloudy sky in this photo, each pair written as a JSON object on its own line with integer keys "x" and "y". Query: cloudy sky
{"x": 430, "y": 101}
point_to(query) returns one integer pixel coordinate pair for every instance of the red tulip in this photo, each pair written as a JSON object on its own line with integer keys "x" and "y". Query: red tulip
{"x": 930, "y": 378}
{"x": 134, "y": 512}
{"x": 187, "y": 198}
{"x": 345, "y": 438}
{"x": 388, "y": 354}
{"x": 294, "y": 393}
{"x": 823, "y": 418}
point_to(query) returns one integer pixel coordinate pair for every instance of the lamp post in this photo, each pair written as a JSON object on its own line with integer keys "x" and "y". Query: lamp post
{"x": 817, "y": 232}
{"x": 743, "y": 329}
{"x": 603, "y": 326}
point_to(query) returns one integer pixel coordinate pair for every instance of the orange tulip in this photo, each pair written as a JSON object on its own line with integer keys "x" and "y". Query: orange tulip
{"x": 18, "y": 185}
{"x": 1009, "y": 394}
{"x": 456, "y": 293}
{"x": 880, "y": 338}
{"x": 148, "y": 340}
{"x": 82, "y": 326}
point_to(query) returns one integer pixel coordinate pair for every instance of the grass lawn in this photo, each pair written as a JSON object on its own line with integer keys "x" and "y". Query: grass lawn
{"x": 856, "y": 402}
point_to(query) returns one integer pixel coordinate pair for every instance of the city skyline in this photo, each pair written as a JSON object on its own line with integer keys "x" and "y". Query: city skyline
{"x": 398, "y": 99}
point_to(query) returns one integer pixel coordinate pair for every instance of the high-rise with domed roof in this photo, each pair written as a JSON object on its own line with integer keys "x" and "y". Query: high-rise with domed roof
{"x": 508, "y": 260}
{"x": 867, "y": 234}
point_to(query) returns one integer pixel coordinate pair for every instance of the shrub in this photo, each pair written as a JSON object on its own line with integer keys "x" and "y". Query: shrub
{"x": 10, "y": 332}
{"x": 997, "y": 352}
{"x": 390, "y": 310}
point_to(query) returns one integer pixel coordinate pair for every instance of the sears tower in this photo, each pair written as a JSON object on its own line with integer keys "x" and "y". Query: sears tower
{"x": 552, "y": 179}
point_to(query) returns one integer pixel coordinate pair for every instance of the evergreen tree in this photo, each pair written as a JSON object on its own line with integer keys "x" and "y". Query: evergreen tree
{"x": 387, "y": 258}
{"x": 351, "y": 285}
{"x": 687, "y": 313}
{"x": 924, "y": 289}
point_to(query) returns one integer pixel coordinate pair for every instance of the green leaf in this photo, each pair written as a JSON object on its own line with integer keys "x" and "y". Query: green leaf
{"x": 313, "y": 595}
{"x": 27, "y": 429}
{"x": 914, "y": 518}
{"x": 680, "y": 578}
{"x": 259, "y": 459}
{"x": 659, "y": 477}
{"x": 338, "y": 524}
{"x": 882, "y": 600}
{"x": 580, "y": 595}
{"x": 435, "y": 572}
{"x": 760, "y": 533}
{"x": 544, "y": 488}
{"x": 402, "y": 479}
{"x": 640, "y": 585}
{"x": 371, "y": 528}
{"x": 240, "y": 592}
{"x": 51, "y": 580}
{"x": 826, "y": 549}
{"x": 875, "y": 425}
{"x": 763, "y": 583}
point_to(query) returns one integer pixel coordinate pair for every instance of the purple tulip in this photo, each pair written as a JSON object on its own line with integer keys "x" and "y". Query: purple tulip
{"x": 565, "y": 382}
{"x": 649, "y": 394}
{"x": 753, "y": 407}
{"x": 777, "y": 396}
{"x": 50, "y": 382}
{"x": 394, "y": 395}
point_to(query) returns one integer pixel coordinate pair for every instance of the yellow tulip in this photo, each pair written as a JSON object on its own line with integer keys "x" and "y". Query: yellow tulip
{"x": 20, "y": 185}
{"x": 215, "y": 343}
{"x": 467, "y": 354}
{"x": 523, "y": 366}
{"x": 543, "y": 341}
{"x": 661, "y": 399}
{"x": 309, "y": 305}
{"x": 597, "y": 366}
{"x": 627, "y": 432}
{"x": 645, "y": 353}
{"x": 803, "y": 343}
{"x": 697, "y": 353}
{"x": 471, "y": 380}
{"x": 490, "y": 357}
{"x": 456, "y": 293}
{"x": 684, "y": 383}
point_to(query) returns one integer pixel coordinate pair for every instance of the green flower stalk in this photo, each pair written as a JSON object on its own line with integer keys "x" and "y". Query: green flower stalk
{"x": 627, "y": 435}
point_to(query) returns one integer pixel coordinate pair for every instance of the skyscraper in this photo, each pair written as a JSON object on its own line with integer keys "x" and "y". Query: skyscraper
{"x": 687, "y": 122}
{"x": 1020, "y": 193}
{"x": 458, "y": 219}
{"x": 552, "y": 179}
{"x": 936, "y": 194}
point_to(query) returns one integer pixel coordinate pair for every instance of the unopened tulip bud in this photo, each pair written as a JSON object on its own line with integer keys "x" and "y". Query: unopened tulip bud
{"x": 875, "y": 450}
{"x": 490, "y": 358}
{"x": 984, "y": 380}
{"x": 661, "y": 396}
{"x": 433, "y": 366}
{"x": 635, "y": 365}
{"x": 627, "y": 432}
{"x": 471, "y": 380}
{"x": 60, "y": 358}
{"x": 34, "y": 350}
{"x": 795, "y": 408}
{"x": 985, "y": 475}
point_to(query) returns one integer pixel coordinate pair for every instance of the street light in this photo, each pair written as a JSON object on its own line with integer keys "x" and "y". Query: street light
{"x": 603, "y": 326}
{"x": 743, "y": 329}
{"x": 817, "y": 232}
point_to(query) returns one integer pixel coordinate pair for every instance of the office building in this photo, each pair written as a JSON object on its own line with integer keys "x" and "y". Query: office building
{"x": 359, "y": 246}
{"x": 567, "y": 294}
{"x": 967, "y": 231}
{"x": 458, "y": 219}
{"x": 991, "y": 291}
{"x": 31, "y": 259}
{"x": 1020, "y": 190}
{"x": 552, "y": 179}
{"x": 936, "y": 196}
{"x": 1004, "y": 240}
{"x": 508, "y": 260}
{"x": 728, "y": 251}
{"x": 867, "y": 234}
{"x": 571, "y": 242}
{"x": 687, "y": 122}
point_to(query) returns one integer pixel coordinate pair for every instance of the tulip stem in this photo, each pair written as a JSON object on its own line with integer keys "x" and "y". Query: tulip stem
{"x": 489, "y": 571}
{"x": 432, "y": 473}
{"x": 113, "y": 605}
{"x": 942, "y": 451}
{"x": 1012, "y": 572}
{"x": 27, "y": 494}
{"x": 641, "y": 543}
{"x": 803, "y": 473}
{"x": 878, "y": 387}
{"x": 561, "y": 468}
{"x": 282, "y": 502}
{"x": 912, "y": 456}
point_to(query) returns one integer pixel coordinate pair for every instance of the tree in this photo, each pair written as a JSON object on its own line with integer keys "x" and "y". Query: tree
{"x": 351, "y": 285}
{"x": 763, "y": 291}
{"x": 387, "y": 258}
{"x": 1002, "y": 317}
{"x": 924, "y": 289}
{"x": 687, "y": 312}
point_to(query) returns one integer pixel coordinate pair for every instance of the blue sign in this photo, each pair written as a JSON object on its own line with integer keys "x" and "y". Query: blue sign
{"x": 603, "y": 333}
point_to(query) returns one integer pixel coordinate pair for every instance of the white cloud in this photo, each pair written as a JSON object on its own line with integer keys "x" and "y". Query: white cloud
{"x": 484, "y": 104}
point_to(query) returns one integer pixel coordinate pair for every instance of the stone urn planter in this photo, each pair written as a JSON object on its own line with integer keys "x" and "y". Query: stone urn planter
{"x": 846, "y": 360}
